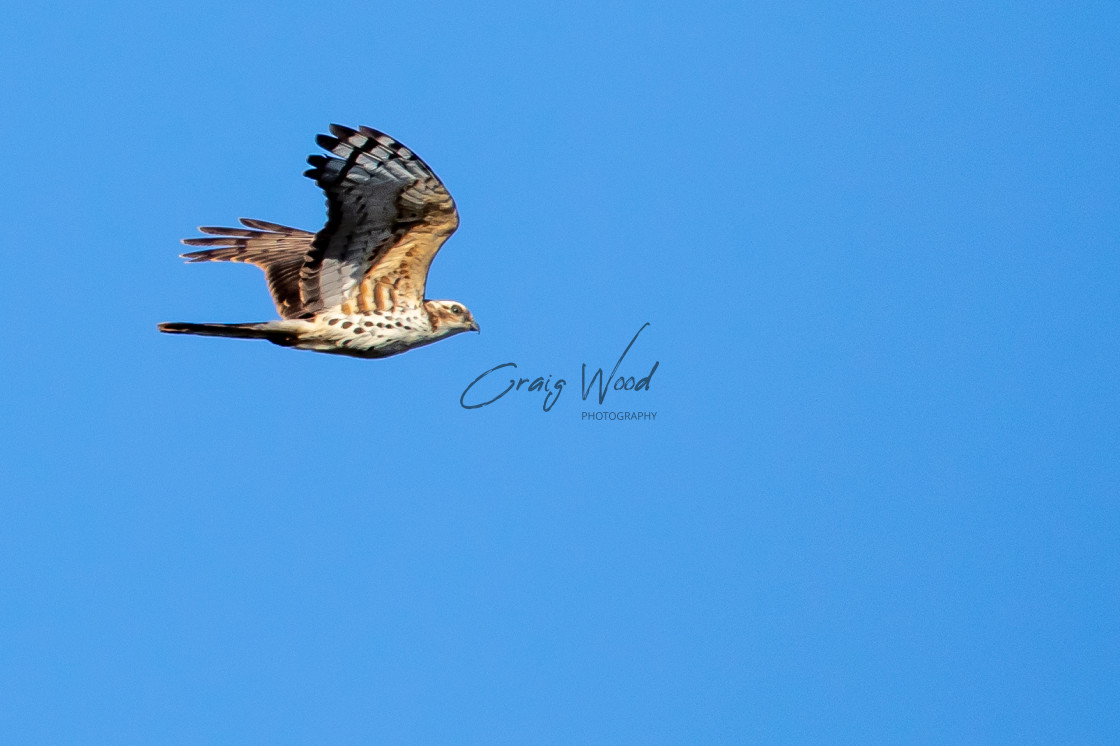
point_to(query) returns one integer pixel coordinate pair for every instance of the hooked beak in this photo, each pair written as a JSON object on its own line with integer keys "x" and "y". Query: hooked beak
{"x": 474, "y": 326}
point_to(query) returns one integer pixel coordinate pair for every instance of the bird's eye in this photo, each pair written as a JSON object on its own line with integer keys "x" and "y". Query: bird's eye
{"x": 457, "y": 310}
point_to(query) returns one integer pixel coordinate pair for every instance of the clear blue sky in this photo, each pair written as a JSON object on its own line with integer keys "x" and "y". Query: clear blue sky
{"x": 877, "y": 247}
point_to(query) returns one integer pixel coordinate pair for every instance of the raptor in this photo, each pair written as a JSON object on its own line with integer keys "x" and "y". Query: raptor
{"x": 357, "y": 286}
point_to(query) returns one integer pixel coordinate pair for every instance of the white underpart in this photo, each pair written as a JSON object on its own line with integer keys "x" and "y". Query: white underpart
{"x": 374, "y": 334}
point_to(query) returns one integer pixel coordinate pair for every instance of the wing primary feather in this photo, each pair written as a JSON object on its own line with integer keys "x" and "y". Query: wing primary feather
{"x": 219, "y": 231}
{"x": 264, "y": 225}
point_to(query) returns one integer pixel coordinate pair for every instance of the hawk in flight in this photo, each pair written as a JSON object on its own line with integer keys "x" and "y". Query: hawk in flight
{"x": 357, "y": 286}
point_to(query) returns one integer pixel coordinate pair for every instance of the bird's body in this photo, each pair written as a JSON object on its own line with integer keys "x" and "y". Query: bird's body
{"x": 369, "y": 335}
{"x": 357, "y": 286}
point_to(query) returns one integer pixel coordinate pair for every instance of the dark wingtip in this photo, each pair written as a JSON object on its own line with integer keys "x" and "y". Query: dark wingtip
{"x": 341, "y": 131}
{"x": 371, "y": 132}
{"x": 317, "y": 163}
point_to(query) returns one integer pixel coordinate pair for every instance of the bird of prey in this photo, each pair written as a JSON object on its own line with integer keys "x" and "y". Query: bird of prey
{"x": 357, "y": 286}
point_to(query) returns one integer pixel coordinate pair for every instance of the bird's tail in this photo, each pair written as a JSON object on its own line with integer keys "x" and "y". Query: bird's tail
{"x": 263, "y": 330}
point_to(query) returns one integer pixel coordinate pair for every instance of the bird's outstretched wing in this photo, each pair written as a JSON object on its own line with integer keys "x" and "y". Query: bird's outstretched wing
{"x": 387, "y": 216}
{"x": 277, "y": 249}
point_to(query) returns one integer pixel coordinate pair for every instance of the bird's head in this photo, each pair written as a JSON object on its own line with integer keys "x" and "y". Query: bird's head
{"x": 450, "y": 317}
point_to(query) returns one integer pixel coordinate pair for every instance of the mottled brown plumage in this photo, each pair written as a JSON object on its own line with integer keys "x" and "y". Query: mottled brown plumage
{"x": 357, "y": 286}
